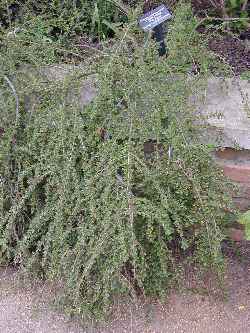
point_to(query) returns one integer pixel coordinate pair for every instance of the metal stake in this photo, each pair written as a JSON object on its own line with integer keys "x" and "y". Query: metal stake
{"x": 159, "y": 37}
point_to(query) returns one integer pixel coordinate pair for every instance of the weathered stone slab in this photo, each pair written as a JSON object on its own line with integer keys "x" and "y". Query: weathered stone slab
{"x": 224, "y": 102}
{"x": 226, "y": 105}
{"x": 88, "y": 90}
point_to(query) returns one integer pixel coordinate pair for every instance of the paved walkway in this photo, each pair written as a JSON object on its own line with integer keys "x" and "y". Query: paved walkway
{"x": 28, "y": 310}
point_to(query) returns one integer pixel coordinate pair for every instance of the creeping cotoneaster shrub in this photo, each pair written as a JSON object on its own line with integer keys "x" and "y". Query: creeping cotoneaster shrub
{"x": 109, "y": 197}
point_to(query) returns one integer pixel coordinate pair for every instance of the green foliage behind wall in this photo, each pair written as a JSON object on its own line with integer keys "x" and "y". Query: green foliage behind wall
{"x": 64, "y": 19}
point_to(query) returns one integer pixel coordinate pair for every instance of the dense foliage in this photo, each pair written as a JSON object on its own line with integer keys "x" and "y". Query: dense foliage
{"x": 224, "y": 14}
{"x": 64, "y": 19}
{"x": 107, "y": 198}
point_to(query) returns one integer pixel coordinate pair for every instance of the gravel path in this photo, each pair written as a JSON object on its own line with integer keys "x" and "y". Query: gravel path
{"x": 27, "y": 310}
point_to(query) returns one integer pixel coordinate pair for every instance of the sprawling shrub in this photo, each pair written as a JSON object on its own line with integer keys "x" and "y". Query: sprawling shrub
{"x": 109, "y": 197}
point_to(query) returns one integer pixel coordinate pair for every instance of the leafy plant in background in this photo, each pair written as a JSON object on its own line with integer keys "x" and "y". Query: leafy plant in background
{"x": 239, "y": 9}
{"x": 111, "y": 214}
{"x": 246, "y": 75}
{"x": 233, "y": 14}
{"x": 245, "y": 220}
{"x": 65, "y": 19}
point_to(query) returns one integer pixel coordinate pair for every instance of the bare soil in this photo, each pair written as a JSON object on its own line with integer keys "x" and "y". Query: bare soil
{"x": 28, "y": 308}
{"x": 234, "y": 51}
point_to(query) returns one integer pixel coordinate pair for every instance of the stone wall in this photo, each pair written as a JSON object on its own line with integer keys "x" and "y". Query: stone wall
{"x": 225, "y": 103}
{"x": 236, "y": 166}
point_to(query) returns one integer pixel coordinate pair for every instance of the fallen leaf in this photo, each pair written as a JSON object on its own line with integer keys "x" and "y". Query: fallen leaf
{"x": 242, "y": 307}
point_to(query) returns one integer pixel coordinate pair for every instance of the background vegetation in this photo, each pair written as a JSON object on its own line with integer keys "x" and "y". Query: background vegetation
{"x": 64, "y": 20}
